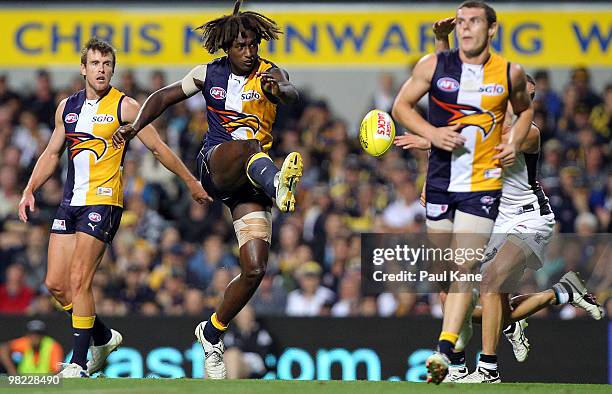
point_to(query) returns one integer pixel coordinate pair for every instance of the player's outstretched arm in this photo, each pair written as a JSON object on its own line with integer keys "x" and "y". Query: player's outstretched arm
{"x": 45, "y": 165}
{"x": 523, "y": 109}
{"x": 151, "y": 139}
{"x": 404, "y": 108}
{"x": 158, "y": 101}
{"x": 442, "y": 29}
{"x": 275, "y": 82}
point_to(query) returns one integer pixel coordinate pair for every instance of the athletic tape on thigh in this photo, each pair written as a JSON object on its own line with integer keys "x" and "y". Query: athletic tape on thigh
{"x": 255, "y": 225}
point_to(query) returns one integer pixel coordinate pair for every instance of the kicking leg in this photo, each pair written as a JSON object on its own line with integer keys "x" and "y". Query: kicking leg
{"x": 234, "y": 163}
{"x": 279, "y": 185}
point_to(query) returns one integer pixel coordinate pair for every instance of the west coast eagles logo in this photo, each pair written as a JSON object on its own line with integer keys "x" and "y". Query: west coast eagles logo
{"x": 232, "y": 120}
{"x": 468, "y": 115}
{"x": 78, "y": 142}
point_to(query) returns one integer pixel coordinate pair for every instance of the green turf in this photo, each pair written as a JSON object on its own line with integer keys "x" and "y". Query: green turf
{"x": 168, "y": 386}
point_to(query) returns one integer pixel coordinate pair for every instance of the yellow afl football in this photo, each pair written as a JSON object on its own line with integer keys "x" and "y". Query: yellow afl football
{"x": 376, "y": 132}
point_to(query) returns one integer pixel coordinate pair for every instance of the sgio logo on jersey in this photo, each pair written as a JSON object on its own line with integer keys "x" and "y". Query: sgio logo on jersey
{"x": 103, "y": 118}
{"x": 250, "y": 95}
{"x": 492, "y": 89}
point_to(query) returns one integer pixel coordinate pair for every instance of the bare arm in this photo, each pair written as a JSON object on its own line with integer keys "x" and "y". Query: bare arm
{"x": 157, "y": 103}
{"x": 521, "y": 104}
{"x": 150, "y": 138}
{"x": 276, "y": 83}
{"x": 45, "y": 165}
{"x": 5, "y": 359}
{"x": 523, "y": 109}
{"x": 404, "y": 108}
{"x": 531, "y": 144}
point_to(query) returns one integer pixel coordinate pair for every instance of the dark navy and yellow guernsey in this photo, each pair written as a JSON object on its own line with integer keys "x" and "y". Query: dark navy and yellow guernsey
{"x": 93, "y": 192}
{"x": 476, "y": 96}
{"x": 237, "y": 109}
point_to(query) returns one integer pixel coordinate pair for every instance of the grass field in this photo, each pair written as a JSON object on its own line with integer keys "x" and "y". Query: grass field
{"x": 167, "y": 386}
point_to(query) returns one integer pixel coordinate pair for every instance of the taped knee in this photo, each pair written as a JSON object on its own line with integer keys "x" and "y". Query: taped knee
{"x": 255, "y": 225}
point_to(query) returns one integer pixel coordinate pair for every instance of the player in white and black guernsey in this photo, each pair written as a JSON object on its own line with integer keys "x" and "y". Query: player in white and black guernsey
{"x": 523, "y": 229}
{"x": 526, "y": 220}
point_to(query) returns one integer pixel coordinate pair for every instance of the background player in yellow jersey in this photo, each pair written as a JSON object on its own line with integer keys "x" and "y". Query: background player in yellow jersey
{"x": 469, "y": 89}
{"x": 242, "y": 91}
{"x": 90, "y": 212}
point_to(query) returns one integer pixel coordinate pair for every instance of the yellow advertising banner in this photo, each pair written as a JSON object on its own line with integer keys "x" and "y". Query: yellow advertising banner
{"x": 388, "y": 37}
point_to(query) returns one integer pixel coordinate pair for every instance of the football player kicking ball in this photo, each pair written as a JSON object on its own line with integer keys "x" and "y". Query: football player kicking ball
{"x": 90, "y": 212}
{"x": 521, "y": 232}
{"x": 242, "y": 92}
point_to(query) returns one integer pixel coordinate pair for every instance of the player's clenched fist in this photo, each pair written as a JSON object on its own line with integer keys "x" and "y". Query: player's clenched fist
{"x": 123, "y": 134}
{"x": 269, "y": 83}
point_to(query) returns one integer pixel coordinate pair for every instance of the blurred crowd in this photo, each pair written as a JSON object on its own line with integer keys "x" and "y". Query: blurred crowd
{"x": 172, "y": 256}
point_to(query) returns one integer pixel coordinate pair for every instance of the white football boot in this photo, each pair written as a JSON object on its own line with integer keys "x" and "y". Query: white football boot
{"x": 72, "y": 370}
{"x": 518, "y": 340}
{"x": 288, "y": 179}
{"x": 100, "y": 353}
{"x": 456, "y": 374}
{"x": 580, "y": 297}
{"x": 482, "y": 375}
{"x": 213, "y": 354}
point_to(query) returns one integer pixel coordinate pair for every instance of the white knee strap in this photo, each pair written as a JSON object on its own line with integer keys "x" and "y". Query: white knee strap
{"x": 254, "y": 225}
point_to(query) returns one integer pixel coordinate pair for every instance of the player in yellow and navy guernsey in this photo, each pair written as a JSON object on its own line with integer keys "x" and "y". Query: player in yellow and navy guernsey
{"x": 469, "y": 89}
{"x": 242, "y": 91}
{"x": 90, "y": 212}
